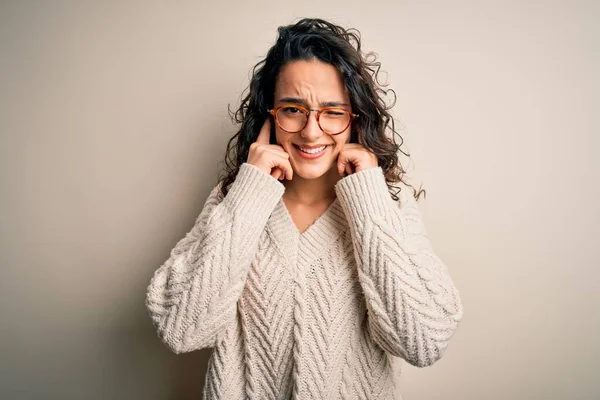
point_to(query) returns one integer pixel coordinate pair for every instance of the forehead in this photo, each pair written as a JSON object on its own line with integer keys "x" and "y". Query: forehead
{"x": 311, "y": 80}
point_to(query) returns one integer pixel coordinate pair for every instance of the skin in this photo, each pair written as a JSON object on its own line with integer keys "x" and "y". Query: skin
{"x": 309, "y": 183}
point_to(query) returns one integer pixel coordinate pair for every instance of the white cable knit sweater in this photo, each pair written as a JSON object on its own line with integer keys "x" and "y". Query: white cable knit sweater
{"x": 324, "y": 314}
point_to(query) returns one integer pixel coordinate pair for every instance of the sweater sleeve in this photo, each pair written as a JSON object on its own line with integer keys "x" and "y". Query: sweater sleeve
{"x": 192, "y": 297}
{"x": 413, "y": 306}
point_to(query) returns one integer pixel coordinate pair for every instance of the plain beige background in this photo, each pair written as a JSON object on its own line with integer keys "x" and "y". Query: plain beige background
{"x": 114, "y": 119}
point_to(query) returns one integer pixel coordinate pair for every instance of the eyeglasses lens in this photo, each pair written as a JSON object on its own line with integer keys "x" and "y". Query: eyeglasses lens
{"x": 332, "y": 121}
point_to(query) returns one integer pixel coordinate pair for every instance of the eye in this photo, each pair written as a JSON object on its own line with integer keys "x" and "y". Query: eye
{"x": 334, "y": 113}
{"x": 291, "y": 110}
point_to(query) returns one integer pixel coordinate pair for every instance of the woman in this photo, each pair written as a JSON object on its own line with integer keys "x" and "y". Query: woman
{"x": 308, "y": 277}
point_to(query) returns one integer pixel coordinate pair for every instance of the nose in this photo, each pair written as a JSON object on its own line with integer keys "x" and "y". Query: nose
{"x": 312, "y": 130}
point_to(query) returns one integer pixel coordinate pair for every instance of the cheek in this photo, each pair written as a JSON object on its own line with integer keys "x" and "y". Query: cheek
{"x": 341, "y": 140}
{"x": 284, "y": 140}
{"x": 280, "y": 137}
{"x": 337, "y": 148}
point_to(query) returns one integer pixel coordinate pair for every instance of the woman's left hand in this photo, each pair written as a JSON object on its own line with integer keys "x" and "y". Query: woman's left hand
{"x": 355, "y": 157}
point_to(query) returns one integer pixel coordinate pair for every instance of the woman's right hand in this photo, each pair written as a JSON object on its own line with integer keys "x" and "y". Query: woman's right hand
{"x": 271, "y": 158}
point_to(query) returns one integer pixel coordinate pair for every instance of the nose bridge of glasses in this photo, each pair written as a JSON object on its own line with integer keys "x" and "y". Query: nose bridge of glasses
{"x": 316, "y": 110}
{"x": 307, "y": 116}
{"x": 317, "y": 115}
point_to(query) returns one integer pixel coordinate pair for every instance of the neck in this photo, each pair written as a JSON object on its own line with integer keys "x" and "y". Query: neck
{"x": 311, "y": 191}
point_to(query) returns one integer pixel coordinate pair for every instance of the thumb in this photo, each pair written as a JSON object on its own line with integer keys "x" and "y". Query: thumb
{"x": 277, "y": 173}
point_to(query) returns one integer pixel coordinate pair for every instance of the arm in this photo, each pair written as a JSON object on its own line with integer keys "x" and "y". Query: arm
{"x": 413, "y": 306}
{"x": 192, "y": 297}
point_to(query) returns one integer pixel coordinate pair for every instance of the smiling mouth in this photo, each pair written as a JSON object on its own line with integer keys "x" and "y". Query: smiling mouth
{"x": 313, "y": 151}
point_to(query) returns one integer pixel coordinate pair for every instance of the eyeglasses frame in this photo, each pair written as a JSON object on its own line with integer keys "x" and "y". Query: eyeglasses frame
{"x": 273, "y": 112}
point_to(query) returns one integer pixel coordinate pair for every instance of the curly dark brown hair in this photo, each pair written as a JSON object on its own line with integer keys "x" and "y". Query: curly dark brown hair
{"x": 314, "y": 38}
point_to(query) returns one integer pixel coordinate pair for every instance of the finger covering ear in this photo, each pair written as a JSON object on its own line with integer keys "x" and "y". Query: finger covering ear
{"x": 264, "y": 136}
{"x": 340, "y": 166}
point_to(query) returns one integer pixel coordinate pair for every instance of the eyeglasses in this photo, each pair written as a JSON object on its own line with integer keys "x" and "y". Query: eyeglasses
{"x": 293, "y": 118}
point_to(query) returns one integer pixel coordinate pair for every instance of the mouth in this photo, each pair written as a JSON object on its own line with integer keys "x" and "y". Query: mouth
{"x": 311, "y": 153}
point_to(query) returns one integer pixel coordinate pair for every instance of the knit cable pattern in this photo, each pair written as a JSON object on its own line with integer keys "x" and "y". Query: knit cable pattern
{"x": 323, "y": 314}
{"x": 414, "y": 307}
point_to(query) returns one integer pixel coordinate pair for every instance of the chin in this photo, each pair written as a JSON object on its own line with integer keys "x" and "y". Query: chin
{"x": 312, "y": 171}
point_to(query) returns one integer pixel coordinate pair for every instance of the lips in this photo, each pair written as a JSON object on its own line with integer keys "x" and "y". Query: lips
{"x": 311, "y": 152}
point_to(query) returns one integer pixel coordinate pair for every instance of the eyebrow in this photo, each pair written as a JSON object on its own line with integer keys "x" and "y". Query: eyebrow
{"x": 297, "y": 100}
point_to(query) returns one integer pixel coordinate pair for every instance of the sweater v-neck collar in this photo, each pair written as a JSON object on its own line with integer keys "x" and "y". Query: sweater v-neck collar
{"x": 305, "y": 246}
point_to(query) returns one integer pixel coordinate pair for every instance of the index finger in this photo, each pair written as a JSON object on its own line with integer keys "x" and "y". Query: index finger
{"x": 264, "y": 136}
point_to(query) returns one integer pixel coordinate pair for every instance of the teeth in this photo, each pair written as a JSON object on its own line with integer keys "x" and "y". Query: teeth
{"x": 313, "y": 151}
